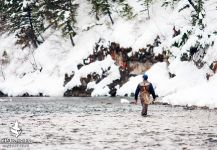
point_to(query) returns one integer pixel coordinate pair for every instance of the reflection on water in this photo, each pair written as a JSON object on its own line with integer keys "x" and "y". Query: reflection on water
{"x": 105, "y": 123}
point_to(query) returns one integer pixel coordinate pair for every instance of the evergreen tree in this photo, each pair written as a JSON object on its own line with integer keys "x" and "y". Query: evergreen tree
{"x": 146, "y": 4}
{"x": 14, "y": 10}
{"x": 197, "y": 14}
{"x": 3, "y": 16}
{"x": 126, "y": 10}
{"x": 62, "y": 15}
{"x": 102, "y": 7}
{"x": 95, "y": 8}
{"x": 106, "y": 9}
{"x": 192, "y": 41}
{"x": 26, "y": 20}
{"x": 68, "y": 20}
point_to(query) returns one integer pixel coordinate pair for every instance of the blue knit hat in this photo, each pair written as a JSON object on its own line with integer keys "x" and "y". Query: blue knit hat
{"x": 145, "y": 77}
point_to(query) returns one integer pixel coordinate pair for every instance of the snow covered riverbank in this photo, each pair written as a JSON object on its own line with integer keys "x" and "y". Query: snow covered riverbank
{"x": 189, "y": 87}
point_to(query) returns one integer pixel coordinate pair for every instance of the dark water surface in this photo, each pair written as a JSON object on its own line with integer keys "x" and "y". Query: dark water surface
{"x": 105, "y": 123}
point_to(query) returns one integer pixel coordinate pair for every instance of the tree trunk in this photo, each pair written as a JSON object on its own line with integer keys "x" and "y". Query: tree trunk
{"x": 109, "y": 14}
{"x": 192, "y": 4}
{"x": 71, "y": 38}
{"x": 69, "y": 26}
{"x": 147, "y": 4}
{"x": 40, "y": 35}
{"x": 71, "y": 35}
{"x": 96, "y": 15}
{"x": 33, "y": 36}
{"x": 2, "y": 72}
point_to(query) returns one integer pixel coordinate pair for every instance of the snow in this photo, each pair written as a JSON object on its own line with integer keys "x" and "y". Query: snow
{"x": 124, "y": 101}
{"x": 123, "y": 33}
{"x": 157, "y": 75}
{"x": 33, "y": 84}
{"x": 97, "y": 67}
{"x": 42, "y": 70}
{"x": 188, "y": 87}
{"x": 200, "y": 95}
{"x": 26, "y": 3}
{"x": 130, "y": 86}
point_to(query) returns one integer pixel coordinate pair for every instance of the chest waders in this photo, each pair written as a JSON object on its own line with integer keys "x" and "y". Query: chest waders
{"x": 145, "y": 97}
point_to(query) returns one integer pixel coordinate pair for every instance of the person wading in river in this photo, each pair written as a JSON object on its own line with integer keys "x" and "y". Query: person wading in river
{"x": 145, "y": 88}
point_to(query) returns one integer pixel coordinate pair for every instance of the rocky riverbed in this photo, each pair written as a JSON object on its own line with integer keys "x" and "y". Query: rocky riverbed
{"x": 104, "y": 123}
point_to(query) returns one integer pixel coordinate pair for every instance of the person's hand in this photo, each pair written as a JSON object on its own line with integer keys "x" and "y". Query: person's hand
{"x": 154, "y": 98}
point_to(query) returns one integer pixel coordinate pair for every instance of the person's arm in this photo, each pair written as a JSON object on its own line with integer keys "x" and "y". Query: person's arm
{"x": 152, "y": 92}
{"x": 137, "y": 93}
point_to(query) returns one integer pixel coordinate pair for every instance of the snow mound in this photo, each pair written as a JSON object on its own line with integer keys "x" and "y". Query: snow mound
{"x": 101, "y": 88}
{"x": 124, "y": 101}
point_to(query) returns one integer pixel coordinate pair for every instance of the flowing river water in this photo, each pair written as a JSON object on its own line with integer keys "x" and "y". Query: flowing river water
{"x": 104, "y": 123}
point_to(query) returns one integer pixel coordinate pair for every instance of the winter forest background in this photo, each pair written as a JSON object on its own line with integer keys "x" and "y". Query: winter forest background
{"x": 102, "y": 47}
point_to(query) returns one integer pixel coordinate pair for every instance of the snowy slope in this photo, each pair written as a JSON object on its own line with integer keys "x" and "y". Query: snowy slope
{"x": 56, "y": 56}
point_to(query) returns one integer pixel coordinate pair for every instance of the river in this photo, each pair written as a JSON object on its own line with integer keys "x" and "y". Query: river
{"x": 104, "y": 123}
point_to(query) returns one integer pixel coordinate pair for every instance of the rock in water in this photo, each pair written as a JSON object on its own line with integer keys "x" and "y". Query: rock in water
{"x": 125, "y": 101}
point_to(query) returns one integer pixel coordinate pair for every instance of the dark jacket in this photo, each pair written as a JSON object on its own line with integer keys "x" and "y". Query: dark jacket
{"x": 151, "y": 91}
